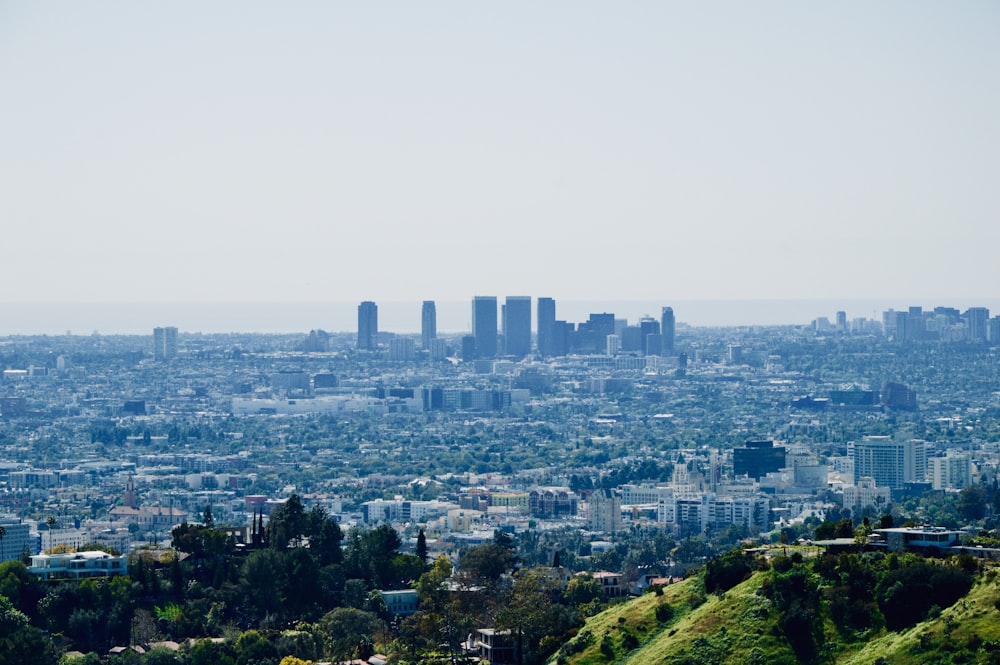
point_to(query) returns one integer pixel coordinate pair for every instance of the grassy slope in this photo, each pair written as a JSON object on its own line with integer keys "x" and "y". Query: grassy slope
{"x": 968, "y": 631}
{"x": 637, "y": 617}
{"x": 734, "y": 628}
{"x": 739, "y": 628}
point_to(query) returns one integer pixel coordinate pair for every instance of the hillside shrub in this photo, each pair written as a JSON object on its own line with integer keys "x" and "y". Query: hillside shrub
{"x": 724, "y": 572}
{"x": 664, "y": 612}
{"x": 907, "y": 595}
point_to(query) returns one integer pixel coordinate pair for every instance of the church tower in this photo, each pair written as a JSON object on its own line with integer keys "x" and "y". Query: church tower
{"x": 130, "y": 499}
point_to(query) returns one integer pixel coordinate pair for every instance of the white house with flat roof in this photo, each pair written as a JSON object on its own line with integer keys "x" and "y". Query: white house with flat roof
{"x": 400, "y": 603}
{"x": 77, "y": 565}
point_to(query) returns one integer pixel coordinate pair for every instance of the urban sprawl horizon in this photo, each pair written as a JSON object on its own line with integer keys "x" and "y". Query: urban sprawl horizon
{"x": 627, "y": 450}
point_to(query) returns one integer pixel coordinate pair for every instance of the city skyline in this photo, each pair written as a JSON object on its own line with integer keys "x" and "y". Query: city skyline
{"x": 451, "y": 317}
{"x": 281, "y": 153}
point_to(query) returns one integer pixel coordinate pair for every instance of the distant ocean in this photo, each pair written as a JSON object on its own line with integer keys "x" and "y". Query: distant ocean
{"x": 404, "y": 317}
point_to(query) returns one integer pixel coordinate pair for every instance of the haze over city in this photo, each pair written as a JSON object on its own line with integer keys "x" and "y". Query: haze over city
{"x": 235, "y": 152}
{"x": 451, "y": 333}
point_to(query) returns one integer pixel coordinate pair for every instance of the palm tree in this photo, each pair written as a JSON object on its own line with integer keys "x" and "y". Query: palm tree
{"x": 51, "y": 521}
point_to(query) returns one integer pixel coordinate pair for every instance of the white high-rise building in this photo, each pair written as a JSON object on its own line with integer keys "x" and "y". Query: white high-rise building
{"x": 164, "y": 343}
{"x": 614, "y": 345}
{"x": 951, "y": 472}
{"x": 604, "y": 509}
{"x": 15, "y": 538}
{"x": 889, "y": 462}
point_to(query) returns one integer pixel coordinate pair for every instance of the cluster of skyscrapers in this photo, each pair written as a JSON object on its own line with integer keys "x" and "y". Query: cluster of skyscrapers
{"x": 510, "y": 333}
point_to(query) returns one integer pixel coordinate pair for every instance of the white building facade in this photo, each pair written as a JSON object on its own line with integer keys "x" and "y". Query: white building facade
{"x": 951, "y": 472}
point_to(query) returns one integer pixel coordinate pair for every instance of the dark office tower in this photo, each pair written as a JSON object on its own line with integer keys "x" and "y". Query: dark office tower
{"x": 900, "y": 325}
{"x": 653, "y": 343}
{"x": 428, "y": 324}
{"x": 562, "y": 333}
{"x": 164, "y": 343}
{"x": 592, "y": 335}
{"x": 517, "y": 326}
{"x": 546, "y": 326}
{"x": 649, "y": 326}
{"x": 631, "y": 339}
{"x": 367, "y": 325}
{"x": 667, "y": 329}
{"x": 916, "y": 325}
{"x": 758, "y": 458}
{"x": 602, "y": 324}
{"x": 975, "y": 321}
{"x": 468, "y": 348}
{"x": 484, "y": 325}
{"x": 842, "y": 321}
{"x": 952, "y": 314}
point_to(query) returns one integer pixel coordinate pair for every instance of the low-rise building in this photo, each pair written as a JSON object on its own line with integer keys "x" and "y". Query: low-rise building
{"x": 921, "y": 539}
{"x": 400, "y": 603}
{"x": 611, "y": 583}
{"x": 552, "y": 502}
{"x": 865, "y": 494}
{"x": 514, "y": 502}
{"x": 381, "y": 511}
{"x": 707, "y": 509}
{"x": 77, "y": 565}
{"x": 496, "y": 646}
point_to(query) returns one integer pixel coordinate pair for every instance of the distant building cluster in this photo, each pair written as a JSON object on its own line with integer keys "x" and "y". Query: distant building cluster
{"x": 915, "y": 324}
{"x": 510, "y": 334}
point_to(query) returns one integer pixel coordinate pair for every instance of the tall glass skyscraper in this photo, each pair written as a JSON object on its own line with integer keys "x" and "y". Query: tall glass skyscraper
{"x": 484, "y": 325}
{"x": 667, "y": 330}
{"x": 428, "y": 324}
{"x": 517, "y": 326}
{"x": 546, "y": 326}
{"x": 367, "y": 325}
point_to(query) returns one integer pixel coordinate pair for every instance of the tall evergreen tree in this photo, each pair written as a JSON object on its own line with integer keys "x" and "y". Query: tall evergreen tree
{"x": 422, "y": 546}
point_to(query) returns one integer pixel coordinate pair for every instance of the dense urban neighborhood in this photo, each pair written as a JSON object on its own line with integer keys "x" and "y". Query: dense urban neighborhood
{"x": 382, "y": 497}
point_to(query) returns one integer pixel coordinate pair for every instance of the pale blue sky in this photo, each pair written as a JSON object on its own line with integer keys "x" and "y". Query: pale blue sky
{"x": 321, "y": 151}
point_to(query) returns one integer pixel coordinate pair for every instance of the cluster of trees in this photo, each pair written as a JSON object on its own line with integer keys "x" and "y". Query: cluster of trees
{"x": 860, "y": 593}
{"x": 303, "y": 588}
{"x": 538, "y": 610}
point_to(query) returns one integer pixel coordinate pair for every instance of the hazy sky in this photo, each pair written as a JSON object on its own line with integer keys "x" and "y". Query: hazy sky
{"x": 322, "y": 151}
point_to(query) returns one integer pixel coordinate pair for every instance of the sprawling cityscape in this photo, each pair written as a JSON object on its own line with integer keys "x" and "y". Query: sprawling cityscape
{"x": 521, "y": 333}
{"x": 621, "y": 453}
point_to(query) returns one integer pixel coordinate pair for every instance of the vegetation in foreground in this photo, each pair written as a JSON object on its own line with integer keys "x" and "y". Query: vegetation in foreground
{"x": 857, "y": 608}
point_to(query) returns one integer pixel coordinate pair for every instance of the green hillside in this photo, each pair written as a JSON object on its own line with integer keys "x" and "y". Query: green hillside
{"x": 806, "y": 612}
{"x": 966, "y": 632}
